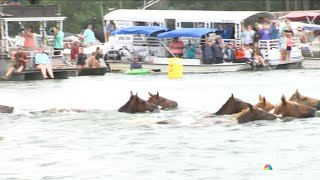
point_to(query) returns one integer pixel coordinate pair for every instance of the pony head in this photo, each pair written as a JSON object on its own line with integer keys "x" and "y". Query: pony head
{"x": 136, "y": 105}
{"x": 161, "y": 101}
{"x": 305, "y": 100}
{"x": 292, "y": 109}
{"x": 232, "y": 106}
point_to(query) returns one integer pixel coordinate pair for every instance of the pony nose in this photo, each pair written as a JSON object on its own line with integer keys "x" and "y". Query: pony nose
{"x": 318, "y": 106}
{"x": 312, "y": 112}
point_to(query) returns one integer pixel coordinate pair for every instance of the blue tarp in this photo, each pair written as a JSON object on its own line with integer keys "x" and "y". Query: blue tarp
{"x": 146, "y": 30}
{"x": 311, "y": 27}
{"x": 186, "y": 32}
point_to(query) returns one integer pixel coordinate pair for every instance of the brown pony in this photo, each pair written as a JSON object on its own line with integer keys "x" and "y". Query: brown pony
{"x": 161, "y": 101}
{"x": 253, "y": 114}
{"x": 264, "y": 104}
{"x": 232, "y": 106}
{"x": 136, "y": 105}
{"x": 6, "y": 109}
{"x": 305, "y": 100}
{"x": 293, "y": 109}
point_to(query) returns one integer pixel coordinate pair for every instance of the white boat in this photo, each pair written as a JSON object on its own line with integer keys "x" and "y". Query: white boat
{"x": 153, "y": 52}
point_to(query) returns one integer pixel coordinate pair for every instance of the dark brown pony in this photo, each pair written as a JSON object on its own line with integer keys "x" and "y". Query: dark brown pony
{"x": 264, "y": 104}
{"x": 136, "y": 105}
{"x": 293, "y": 109}
{"x": 232, "y": 106}
{"x": 161, "y": 101}
{"x": 6, "y": 109}
{"x": 305, "y": 100}
{"x": 253, "y": 114}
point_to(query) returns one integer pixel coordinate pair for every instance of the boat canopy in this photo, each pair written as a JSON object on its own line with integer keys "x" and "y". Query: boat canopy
{"x": 302, "y": 16}
{"x": 146, "y": 30}
{"x": 133, "y": 15}
{"x": 186, "y": 32}
{"x": 311, "y": 27}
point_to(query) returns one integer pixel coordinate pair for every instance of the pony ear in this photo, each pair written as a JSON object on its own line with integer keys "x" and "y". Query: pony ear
{"x": 250, "y": 107}
{"x": 260, "y": 97}
{"x": 157, "y": 94}
{"x": 264, "y": 100}
{"x": 131, "y": 93}
{"x": 283, "y": 99}
{"x": 137, "y": 93}
{"x": 297, "y": 91}
{"x": 150, "y": 94}
{"x": 232, "y": 96}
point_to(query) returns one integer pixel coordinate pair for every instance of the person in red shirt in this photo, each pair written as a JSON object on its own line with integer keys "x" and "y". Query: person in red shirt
{"x": 75, "y": 48}
{"x": 239, "y": 53}
{"x": 21, "y": 61}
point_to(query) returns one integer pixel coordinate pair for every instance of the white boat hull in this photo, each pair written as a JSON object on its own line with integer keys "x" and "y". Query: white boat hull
{"x": 163, "y": 68}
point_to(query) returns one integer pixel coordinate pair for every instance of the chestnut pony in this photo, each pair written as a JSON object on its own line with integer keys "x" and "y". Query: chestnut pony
{"x": 137, "y": 105}
{"x": 292, "y": 109}
{"x": 305, "y": 100}
{"x": 253, "y": 114}
{"x": 161, "y": 101}
{"x": 264, "y": 104}
{"x": 232, "y": 106}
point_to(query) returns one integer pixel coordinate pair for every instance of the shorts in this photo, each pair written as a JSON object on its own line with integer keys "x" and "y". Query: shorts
{"x": 289, "y": 48}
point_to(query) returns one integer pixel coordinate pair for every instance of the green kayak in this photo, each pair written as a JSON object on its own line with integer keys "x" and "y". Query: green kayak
{"x": 137, "y": 71}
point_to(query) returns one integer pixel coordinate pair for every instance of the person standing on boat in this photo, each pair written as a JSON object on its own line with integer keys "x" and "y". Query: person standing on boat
{"x": 283, "y": 46}
{"x": 176, "y": 47}
{"x": 43, "y": 63}
{"x": 289, "y": 43}
{"x": 208, "y": 53}
{"x": 190, "y": 50}
{"x": 218, "y": 49}
{"x": 81, "y": 59}
{"x": 29, "y": 38}
{"x": 89, "y": 36}
{"x": 229, "y": 53}
{"x": 21, "y": 61}
{"x": 111, "y": 26}
{"x": 58, "y": 40}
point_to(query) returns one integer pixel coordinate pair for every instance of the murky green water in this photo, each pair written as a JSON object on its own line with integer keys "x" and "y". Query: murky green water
{"x": 105, "y": 144}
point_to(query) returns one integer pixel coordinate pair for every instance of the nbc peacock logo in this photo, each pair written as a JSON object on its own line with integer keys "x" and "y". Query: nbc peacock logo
{"x": 267, "y": 167}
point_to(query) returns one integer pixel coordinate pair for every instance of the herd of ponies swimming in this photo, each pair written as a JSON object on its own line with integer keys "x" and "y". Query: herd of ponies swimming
{"x": 298, "y": 106}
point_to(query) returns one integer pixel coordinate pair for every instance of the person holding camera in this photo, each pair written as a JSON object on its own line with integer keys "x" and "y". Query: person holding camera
{"x": 29, "y": 38}
{"x": 58, "y": 40}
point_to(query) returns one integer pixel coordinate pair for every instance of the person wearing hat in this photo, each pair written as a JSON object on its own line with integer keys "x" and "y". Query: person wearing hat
{"x": 21, "y": 61}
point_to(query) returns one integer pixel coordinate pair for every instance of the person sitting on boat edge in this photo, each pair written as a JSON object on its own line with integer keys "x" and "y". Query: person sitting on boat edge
{"x": 21, "y": 61}
{"x": 239, "y": 53}
{"x": 135, "y": 64}
{"x": 92, "y": 61}
{"x": 43, "y": 62}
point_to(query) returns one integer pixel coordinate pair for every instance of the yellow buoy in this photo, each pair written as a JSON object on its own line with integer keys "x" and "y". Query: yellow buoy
{"x": 175, "y": 68}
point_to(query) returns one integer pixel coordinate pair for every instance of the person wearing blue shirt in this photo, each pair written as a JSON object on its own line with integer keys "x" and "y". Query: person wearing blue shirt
{"x": 89, "y": 36}
{"x": 43, "y": 63}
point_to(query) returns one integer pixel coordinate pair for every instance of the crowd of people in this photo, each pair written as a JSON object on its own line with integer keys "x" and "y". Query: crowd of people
{"x": 216, "y": 50}
{"x": 27, "y": 44}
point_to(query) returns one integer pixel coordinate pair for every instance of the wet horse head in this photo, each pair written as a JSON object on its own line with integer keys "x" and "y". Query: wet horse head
{"x": 232, "y": 106}
{"x": 161, "y": 101}
{"x": 292, "y": 109}
{"x": 6, "y": 109}
{"x": 305, "y": 100}
{"x": 254, "y": 114}
{"x": 136, "y": 105}
{"x": 264, "y": 104}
